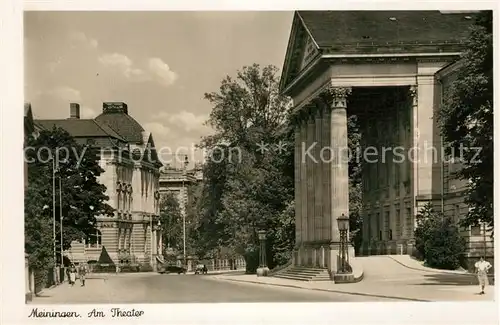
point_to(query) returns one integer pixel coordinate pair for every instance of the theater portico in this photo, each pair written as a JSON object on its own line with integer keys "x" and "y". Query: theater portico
{"x": 393, "y": 90}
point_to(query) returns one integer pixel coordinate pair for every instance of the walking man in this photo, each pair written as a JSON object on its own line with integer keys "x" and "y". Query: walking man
{"x": 482, "y": 268}
{"x": 82, "y": 270}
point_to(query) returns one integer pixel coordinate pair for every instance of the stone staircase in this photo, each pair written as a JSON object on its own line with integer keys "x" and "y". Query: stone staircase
{"x": 302, "y": 273}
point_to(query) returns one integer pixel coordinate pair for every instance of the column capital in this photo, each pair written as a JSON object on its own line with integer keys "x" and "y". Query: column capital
{"x": 337, "y": 96}
{"x": 339, "y": 92}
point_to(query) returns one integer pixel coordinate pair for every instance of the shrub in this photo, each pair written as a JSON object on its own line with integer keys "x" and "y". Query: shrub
{"x": 437, "y": 240}
{"x": 129, "y": 268}
{"x": 104, "y": 268}
{"x": 145, "y": 268}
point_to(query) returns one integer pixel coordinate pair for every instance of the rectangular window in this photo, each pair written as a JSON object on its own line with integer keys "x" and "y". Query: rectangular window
{"x": 456, "y": 213}
{"x": 398, "y": 224}
{"x": 379, "y": 226}
{"x": 387, "y": 225}
{"x": 396, "y": 178}
{"x": 409, "y": 230}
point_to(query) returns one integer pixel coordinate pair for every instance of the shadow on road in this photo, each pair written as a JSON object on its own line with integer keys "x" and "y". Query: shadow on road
{"x": 453, "y": 279}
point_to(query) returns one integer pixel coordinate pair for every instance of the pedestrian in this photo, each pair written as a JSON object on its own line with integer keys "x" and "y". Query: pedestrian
{"x": 72, "y": 274}
{"x": 67, "y": 274}
{"x": 482, "y": 268}
{"x": 82, "y": 272}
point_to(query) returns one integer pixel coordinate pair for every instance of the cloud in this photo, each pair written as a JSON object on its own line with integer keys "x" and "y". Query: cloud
{"x": 79, "y": 38}
{"x": 155, "y": 70}
{"x": 124, "y": 65}
{"x": 157, "y": 129}
{"x": 189, "y": 121}
{"x": 66, "y": 93}
{"x": 162, "y": 71}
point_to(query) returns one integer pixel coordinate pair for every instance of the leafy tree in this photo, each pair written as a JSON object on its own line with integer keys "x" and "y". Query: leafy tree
{"x": 466, "y": 120}
{"x": 171, "y": 222}
{"x": 83, "y": 198}
{"x": 438, "y": 240}
{"x": 246, "y": 188}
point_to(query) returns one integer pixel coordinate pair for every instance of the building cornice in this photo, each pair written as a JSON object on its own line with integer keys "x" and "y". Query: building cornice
{"x": 372, "y": 58}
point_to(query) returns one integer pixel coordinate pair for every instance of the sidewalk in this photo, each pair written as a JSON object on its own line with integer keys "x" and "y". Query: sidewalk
{"x": 409, "y": 292}
{"x": 95, "y": 289}
{"x": 414, "y": 264}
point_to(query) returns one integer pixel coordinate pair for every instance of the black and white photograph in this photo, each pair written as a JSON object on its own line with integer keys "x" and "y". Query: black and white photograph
{"x": 300, "y": 156}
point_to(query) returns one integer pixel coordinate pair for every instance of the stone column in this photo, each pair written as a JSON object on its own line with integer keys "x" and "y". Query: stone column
{"x": 326, "y": 174}
{"x": 310, "y": 163}
{"x": 318, "y": 194}
{"x": 303, "y": 186}
{"x": 339, "y": 178}
{"x": 414, "y": 157}
{"x": 297, "y": 181}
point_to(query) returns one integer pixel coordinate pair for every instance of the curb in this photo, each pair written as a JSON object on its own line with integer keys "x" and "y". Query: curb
{"x": 424, "y": 269}
{"x": 326, "y": 290}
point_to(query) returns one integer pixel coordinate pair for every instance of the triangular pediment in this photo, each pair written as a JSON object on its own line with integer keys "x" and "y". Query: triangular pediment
{"x": 301, "y": 51}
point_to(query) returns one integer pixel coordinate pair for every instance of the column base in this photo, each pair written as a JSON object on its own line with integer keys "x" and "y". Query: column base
{"x": 263, "y": 271}
{"x": 321, "y": 256}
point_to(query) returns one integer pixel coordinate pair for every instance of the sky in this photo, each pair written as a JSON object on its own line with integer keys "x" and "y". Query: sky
{"x": 159, "y": 63}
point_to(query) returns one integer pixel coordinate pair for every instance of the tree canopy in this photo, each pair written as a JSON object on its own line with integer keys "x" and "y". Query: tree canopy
{"x": 248, "y": 183}
{"x": 171, "y": 222}
{"x": 83, "y": 198}
{"x": 466, "y": 120}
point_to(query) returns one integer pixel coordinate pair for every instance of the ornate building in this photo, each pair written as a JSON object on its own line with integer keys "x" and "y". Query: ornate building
{"x": 131, "y": 176}
{"x": 390, "y": 68}
{"x": 178, "y": 180}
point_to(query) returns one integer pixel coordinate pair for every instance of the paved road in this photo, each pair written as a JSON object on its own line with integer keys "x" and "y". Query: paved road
{"x": 157, "y": 288}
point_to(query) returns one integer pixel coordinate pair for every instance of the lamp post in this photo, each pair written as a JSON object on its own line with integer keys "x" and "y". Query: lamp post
{"x": 343, "y": 223}
{"x": 263, "y": 270}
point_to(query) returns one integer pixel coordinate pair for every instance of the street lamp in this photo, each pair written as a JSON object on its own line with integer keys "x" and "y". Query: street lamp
{"x": 343, "y": 223}
{"x": 263, "y": 270}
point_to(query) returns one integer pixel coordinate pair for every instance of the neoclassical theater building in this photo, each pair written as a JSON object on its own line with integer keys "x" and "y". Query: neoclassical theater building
{"x": 132, "y": 235}
{"x": 391, "y": 69}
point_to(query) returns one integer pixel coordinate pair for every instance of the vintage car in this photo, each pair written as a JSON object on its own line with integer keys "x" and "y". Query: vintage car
{"x": 165, "y": 269}
{"x": 201, "y": 269}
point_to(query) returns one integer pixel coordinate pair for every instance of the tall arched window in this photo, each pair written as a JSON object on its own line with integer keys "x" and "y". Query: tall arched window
{"x": 94, "y": 240}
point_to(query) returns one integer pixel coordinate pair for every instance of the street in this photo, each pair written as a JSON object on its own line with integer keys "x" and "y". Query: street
{"x": 173, "y": 288}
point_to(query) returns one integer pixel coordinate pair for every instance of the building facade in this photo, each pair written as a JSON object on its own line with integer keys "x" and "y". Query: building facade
{"x": 131, "y": 176}
{"x": 178, "y": 180}
{"x": 392, "y": 77}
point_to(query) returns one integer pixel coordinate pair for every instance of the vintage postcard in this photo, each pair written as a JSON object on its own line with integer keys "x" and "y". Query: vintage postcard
{"x": 300, "y": 156}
